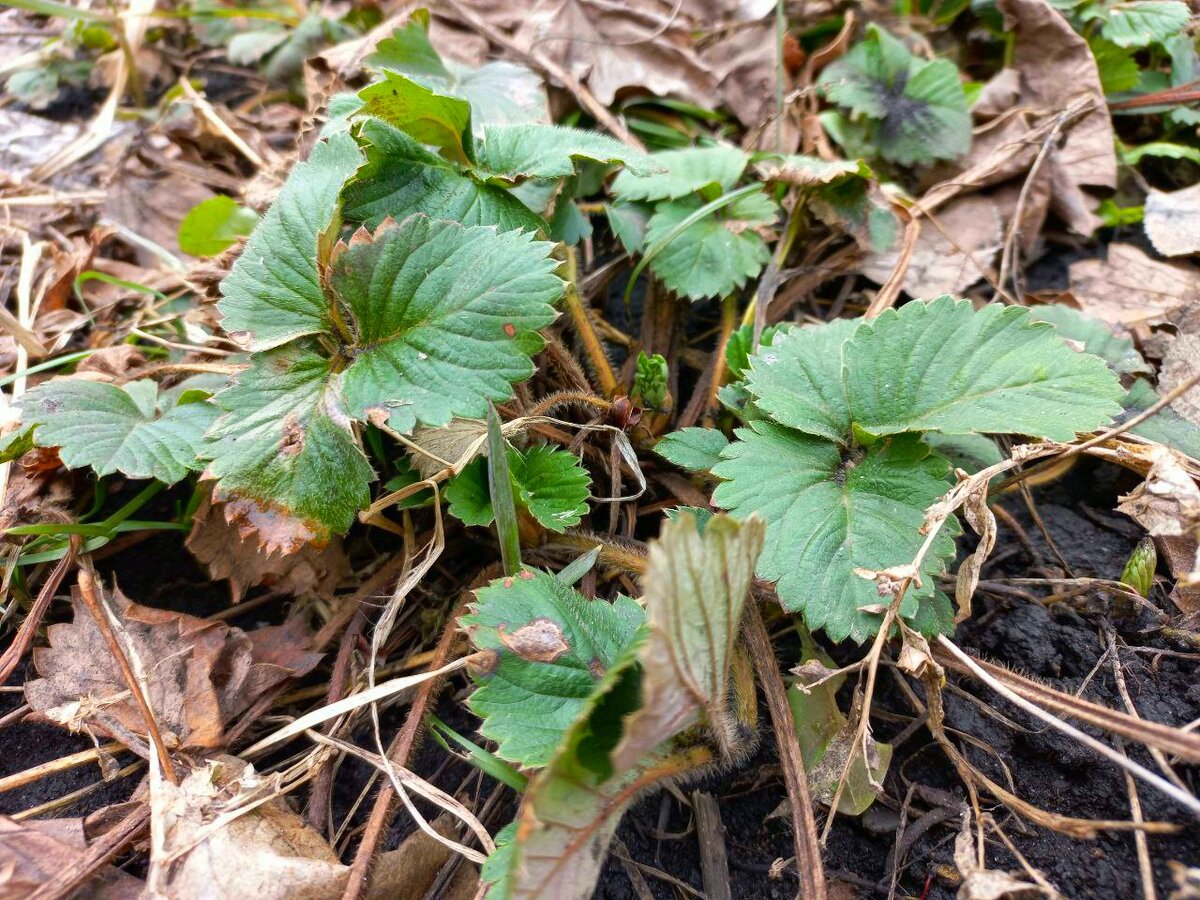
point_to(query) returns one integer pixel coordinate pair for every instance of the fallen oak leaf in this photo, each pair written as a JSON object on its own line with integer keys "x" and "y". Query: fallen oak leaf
{"x": 200, "y": 673}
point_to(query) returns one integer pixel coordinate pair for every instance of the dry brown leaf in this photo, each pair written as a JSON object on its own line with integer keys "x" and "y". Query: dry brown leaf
{"x": 1173, "y": 221}
{"x": 270, "y": 853}
{"x": 955, "y": 248}
{"x": 1129, "y": 288}
{"x": 983, "y": 522}
{"x": 1181, "y": 364}
{"x": 981, "y": 883}
{"x": 153, "y": 205}
{"x": 1182, "y": 554}
{"x": 1167, "y": 503}
{"x": 614, "y": 44}
{"x": 222, "y": 548}
{"x": 32, "y": 853}
{"x": 1057, "y": 67}
{"x": 200, "y": 673}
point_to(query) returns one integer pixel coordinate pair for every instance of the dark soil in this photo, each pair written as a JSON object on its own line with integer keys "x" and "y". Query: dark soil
{"x": 1060, "y": 644}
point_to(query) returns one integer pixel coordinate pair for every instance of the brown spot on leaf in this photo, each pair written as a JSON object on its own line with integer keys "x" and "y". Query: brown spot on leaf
{"x": 275, "y": 529}
{"x": 508, "y": 582}
{"x": 539, "y": 641}
{"x": 293, "y": 437}
{"x": 526, "y": 575}
{"x": 596, "y": 668}
{"x": 484, "y": 663}
{"x": 510, "y": 329}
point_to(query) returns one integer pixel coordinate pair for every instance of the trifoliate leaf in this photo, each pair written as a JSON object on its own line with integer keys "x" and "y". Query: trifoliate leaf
{"x": 1096, "y": 337}
{"x": 696, "y": 585}
{"x": 273, "y": 294}
{"x": 286, "y": 443}
{"x": 548, "y": 483}
{"x": 798, "y": 379}
{"x": 129, "y": 429}
{"x": 697, "y": 449}
{"x": 552, "y": 648}
{"x": 443, "y": 318}
{"x": 1141, "y": 23}
{"x": 697, "y": 170}
{"x": 213, "y": 226}
{"x": 944, "y": 366}
{"x": 424, "y": 115}
{"x": 400, "y": 178}
{"x": 515, "y": 152}
{"x": 715, "y": 254}
{"x": 832, "y": 511}
{"x": 916, "y": 109}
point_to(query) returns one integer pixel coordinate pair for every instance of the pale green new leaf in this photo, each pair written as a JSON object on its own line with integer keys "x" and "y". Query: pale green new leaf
{"x": 552, "y": 648}
{"x": 830, "y": 511}
{"x": 1118, "y": 69}
{"x": 1143, "y": 22}
{"x": 444, "y": 318}
{"x": 941, "y": 365}
{"x": 286, "y": 443}
{"x": 695, "y": 587}
{"x": 424, "y": 115}
{"x": 715, "y": 254}
{"x": 548, "y": 483}
{"x": 697, "y": 449}
{"x": 129, "y": 429}
{"x": 401, "y": 178}
{"x": 273, "y": 293}
{"x": 213, "y": 226}
{"x": 916, "y": 108}
{"x": 680, "y": 173}
{"x": 515, "y": 152}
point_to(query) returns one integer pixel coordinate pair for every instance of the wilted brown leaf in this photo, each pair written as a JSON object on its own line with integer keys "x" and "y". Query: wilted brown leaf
{"x": 955, "y": 248}
{"x": 1173, "y": 221}
{"x": 200, "y": 673}
{"x": 1129, "y": 288}
{"x": 1167, "y": 503}
{"x": 33, "y": 852}
{"x": 220, "y": 545}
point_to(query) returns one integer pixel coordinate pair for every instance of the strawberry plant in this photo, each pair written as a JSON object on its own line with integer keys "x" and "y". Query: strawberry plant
{"x": 833, "y": 454}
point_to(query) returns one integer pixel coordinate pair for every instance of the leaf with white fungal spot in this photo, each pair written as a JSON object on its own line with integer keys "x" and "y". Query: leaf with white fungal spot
{"x": 550, "y": 646}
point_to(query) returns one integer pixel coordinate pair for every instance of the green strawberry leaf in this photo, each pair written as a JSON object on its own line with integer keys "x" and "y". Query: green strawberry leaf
{"x": 548, "y": 483}
{"x": 916, "y": 108}
{"x": 1118, "y": 69}
{"x": 16, "y": 444}
{"x": 797, "y": 379}
{"x": 1166, "y": 426}
{"x": 672, "y": 174}
{"x": 697, "y": 449}
{"x": 443, "y": 318}
{"x": 130, "y": 429}
{"x": 860, "y": 208}
{"x": 715, "y": 254}
{"x": 552, "y": 648}
{"x": 273, "y": 293}
{"x": 286, "y": 444}
{"x": 1141, "y": 23}
{"x": 941, "y": 365}
{"x": 832, "y": 511}
{"x": 401, "y": 178}
{"x": 517, "y": 152}
{"x": 424, "y": 115}
{"x": 499, "y": 92}
{"x": 1096, "y": 337}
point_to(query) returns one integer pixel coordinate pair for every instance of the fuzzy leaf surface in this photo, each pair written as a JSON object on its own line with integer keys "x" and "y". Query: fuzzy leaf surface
{"x": 401, "y": 178}
{"x": 679, "y": 173}
{"x": 696, "y": 585}
{"x": 715, "y": 254}
{"x": 1141, "y": 23}
{"x": 944, "y": 366}
{"x": 553, "y": 647}
{"x": 549, "y": 483}
{"x": 830, "y": 511}
{"x": 443, "y": 318}
{"x": 1116, "y": 350}
{"x": 128, "y": 429}
{"x": 697, "y": 449}
{"x": 273, "y": 293}
{"x": 917, "y": 108}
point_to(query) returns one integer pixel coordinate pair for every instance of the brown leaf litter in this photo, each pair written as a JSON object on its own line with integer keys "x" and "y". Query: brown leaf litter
{"x": 200, "y": 673}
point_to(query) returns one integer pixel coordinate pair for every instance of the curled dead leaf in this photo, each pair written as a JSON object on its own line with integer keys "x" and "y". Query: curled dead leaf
{"x": 539, "y": 641}
{"x": 1167, "y": 503}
